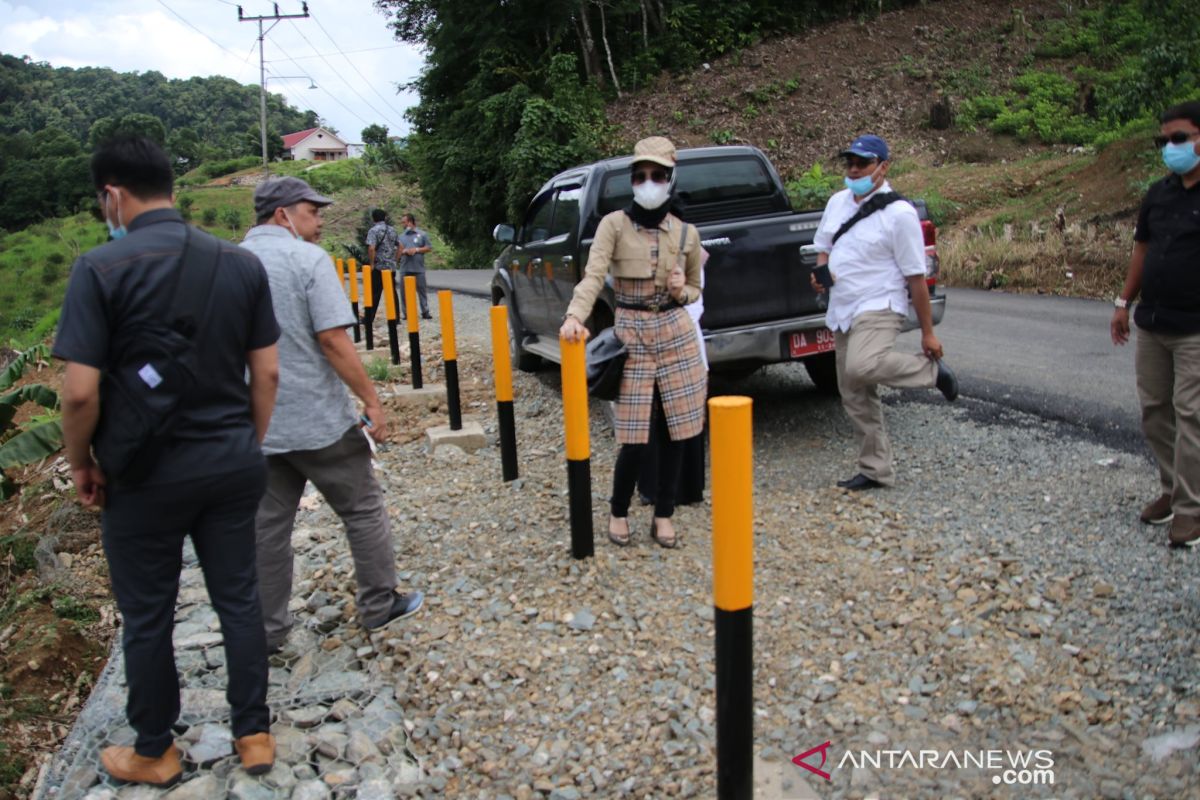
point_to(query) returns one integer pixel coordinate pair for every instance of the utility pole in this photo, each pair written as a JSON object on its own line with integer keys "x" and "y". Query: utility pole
{"x": 262, "y": 66}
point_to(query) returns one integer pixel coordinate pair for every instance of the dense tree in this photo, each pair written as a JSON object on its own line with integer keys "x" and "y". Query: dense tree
{"x": 514, "y": 91}
{"x": 375, "y": 134}
{"x": 50, "y": 118}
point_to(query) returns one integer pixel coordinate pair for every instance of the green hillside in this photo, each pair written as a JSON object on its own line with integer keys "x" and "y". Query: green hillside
{"x": 35, "y": 262}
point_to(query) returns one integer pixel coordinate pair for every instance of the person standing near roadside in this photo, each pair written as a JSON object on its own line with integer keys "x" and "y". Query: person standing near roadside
{"x": 1165, "y": 271}
{"x": 315, "y": 432}
{"x": 870, "y": 240}
{"x": 209, "y": 473}
{"x": 382, "y": 244}
{"x": 415, "y": 244}
{"x": 655, "y": 262}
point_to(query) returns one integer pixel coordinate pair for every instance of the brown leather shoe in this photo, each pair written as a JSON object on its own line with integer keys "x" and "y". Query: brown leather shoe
{"x": 1185, "y": 530}
{"x": 257, "y": 752}
{"x": 124, "y": 764}
{"x": 1159, "y": 512}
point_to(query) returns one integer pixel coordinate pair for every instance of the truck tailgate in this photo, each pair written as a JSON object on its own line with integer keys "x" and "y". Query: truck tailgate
{"x": 754, "y": 269}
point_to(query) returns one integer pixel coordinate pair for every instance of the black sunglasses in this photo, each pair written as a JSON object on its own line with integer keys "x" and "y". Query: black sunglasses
{"x": 858, "y": 161}
{"x": 641, "y": 176}
{"x": 1178, "y": 137}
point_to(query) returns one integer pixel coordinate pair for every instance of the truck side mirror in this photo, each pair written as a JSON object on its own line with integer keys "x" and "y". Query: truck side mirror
{"x": 505, "y": 234}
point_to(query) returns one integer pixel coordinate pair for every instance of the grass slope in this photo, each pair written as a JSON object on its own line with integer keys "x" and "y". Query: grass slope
{"x": 35, "y": 262}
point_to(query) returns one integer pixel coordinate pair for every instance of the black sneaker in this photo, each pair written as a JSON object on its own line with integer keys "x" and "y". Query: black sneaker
{"x": 946, "y": 383}
{"x": 403, "y": 605}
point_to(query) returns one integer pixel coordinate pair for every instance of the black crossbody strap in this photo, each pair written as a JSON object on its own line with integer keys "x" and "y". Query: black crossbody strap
{"x": 876, "y": 203}
{"x": 194, "y": 280}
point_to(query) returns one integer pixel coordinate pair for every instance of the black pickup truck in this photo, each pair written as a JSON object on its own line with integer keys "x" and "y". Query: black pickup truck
{"x": 759, "y": 307}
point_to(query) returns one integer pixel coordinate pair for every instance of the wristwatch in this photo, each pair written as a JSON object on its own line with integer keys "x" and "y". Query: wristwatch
{"x": 1121, "y": 302}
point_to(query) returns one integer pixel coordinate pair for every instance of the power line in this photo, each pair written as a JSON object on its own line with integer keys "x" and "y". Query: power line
{"x": 202, "y": 33}
{"x": 349, "y": 85}
{"x": 346, "y": 52}
{"x": 355, "y": 67}
{"x": 332, "y": 96}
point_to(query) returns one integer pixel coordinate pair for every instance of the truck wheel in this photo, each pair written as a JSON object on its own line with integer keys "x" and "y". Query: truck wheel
{"x": 822, "y": 370}
{"x": 521, "y": 358}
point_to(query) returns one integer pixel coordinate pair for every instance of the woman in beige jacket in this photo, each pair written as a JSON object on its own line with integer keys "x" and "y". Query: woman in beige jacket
{"x": 654, "y": 258}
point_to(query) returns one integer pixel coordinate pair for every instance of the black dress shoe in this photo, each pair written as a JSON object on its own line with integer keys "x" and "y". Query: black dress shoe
{"x": 858, "y": 483}
{"x": 946, "y": 383}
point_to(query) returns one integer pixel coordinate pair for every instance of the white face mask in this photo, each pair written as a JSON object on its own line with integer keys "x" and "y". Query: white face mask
{"x": 650, "y": 195}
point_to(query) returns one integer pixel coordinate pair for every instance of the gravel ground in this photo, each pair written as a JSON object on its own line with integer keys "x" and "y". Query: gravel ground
{"x": 1003, "y": 597}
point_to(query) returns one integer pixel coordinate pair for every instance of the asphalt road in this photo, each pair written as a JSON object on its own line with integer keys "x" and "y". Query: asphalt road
{"x": 1049, "y": 356}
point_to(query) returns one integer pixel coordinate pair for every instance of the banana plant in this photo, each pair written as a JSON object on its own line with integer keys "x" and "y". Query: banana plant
{"x": 38, "y": 437}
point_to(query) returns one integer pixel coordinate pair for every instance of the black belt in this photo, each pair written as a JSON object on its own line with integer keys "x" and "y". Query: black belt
{"x": 667, "y": 306}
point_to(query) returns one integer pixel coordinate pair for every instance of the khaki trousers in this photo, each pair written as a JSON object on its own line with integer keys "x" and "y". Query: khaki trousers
{"x": 342, "y": 473}
{"x": 865, "y": 360}
{"x": 1168, "y": 382}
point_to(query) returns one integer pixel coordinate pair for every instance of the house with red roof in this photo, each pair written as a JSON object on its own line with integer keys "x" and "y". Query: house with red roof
{"x": 314, "y": 144}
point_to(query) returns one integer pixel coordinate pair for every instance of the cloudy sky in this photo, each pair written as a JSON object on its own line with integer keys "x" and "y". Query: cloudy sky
{"x": 345, "y": 47}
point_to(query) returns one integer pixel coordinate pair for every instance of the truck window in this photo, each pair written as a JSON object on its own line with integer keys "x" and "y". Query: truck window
{"x": 566, "y": 211}
{"x": 700, "y": 181}
{"x": 537, "y": 221}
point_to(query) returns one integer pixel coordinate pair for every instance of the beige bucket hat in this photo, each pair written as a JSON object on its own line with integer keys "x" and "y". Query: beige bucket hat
{"x": 656, "y": 149}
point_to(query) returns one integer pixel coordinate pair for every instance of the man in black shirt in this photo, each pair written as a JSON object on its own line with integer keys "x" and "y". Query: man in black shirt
{"x": 210, "y": 474}
{"x": 1165, "y": 269}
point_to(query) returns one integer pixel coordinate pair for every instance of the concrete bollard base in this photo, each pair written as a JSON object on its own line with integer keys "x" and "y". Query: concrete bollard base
{"x": 469, "y": 438}
{"x": 429, "y": 393}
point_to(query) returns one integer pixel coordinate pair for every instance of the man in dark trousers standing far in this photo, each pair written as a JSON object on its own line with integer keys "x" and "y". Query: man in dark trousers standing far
{"x": 1165, "y": 271}
{"x": 210, "y": 473}
{"x": 414, "y": 245}
{"x": 382, "y": 244}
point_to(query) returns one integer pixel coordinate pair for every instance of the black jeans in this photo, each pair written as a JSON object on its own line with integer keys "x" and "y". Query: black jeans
{"x": 629, "y": 466}
{"x": 143, "y": 530}
{"x": 377, "y": 294}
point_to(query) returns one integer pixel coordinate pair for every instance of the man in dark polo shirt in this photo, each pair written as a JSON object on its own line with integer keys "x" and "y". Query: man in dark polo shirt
{"x": 1165, "y": 270}
{"x": 210, "y": 475}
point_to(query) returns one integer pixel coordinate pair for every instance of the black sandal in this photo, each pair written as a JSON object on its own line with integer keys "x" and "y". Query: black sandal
{"x": 669, "y": 544}
{"x": 619, "y": 541}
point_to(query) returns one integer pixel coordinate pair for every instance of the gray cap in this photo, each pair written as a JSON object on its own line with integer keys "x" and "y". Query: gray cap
{"x": 282, "y": 192}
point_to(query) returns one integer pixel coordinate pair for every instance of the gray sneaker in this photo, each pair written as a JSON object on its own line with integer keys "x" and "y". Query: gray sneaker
{"x": 404, "y": 604}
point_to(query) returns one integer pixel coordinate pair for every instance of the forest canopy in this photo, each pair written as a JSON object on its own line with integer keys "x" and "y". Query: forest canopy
{"x": 50, "y": 118}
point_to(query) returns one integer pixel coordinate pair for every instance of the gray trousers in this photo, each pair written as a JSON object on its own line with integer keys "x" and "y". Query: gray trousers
{"x": 422, "y": 294}
{"x": 1168, "y": 382}
{"x": 865, "y": 360}
{"x": 342, "y": 474}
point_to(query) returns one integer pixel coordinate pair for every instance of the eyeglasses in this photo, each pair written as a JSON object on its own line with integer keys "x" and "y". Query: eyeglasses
{"x": 641, "y": 176}
{"x": 858, "y": 161}
{"x": 1178, "y": 137}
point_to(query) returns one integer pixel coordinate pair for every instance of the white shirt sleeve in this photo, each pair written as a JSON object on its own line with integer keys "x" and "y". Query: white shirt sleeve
{"x": 823, "y": 237}
{"x": 908, "y": 242}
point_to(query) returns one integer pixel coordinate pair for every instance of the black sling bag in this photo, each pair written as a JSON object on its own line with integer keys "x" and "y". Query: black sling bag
{"x": 153, "y": 369}
{"x": 876, "y": 203}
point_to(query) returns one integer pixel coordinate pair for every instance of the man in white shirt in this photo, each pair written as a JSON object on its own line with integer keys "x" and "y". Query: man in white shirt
{"x": 877, "y": 267}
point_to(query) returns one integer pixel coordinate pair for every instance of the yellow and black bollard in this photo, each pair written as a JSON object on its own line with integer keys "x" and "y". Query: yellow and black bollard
{"x": 502, "y": 366}
{"x": 450, "y": 358}
{"x": 733, "y": 592}
{"x": 368, "y": 301}
{"x": 414, "y": 329}
{"x": 579, "y": 465}
{"x": 341, "y": 268}
{"x": 389, "y": 303}
{"x": 354, "y": 297}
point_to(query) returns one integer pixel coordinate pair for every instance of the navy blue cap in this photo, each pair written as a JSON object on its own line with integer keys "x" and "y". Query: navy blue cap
{"x": 868, "y": 146}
